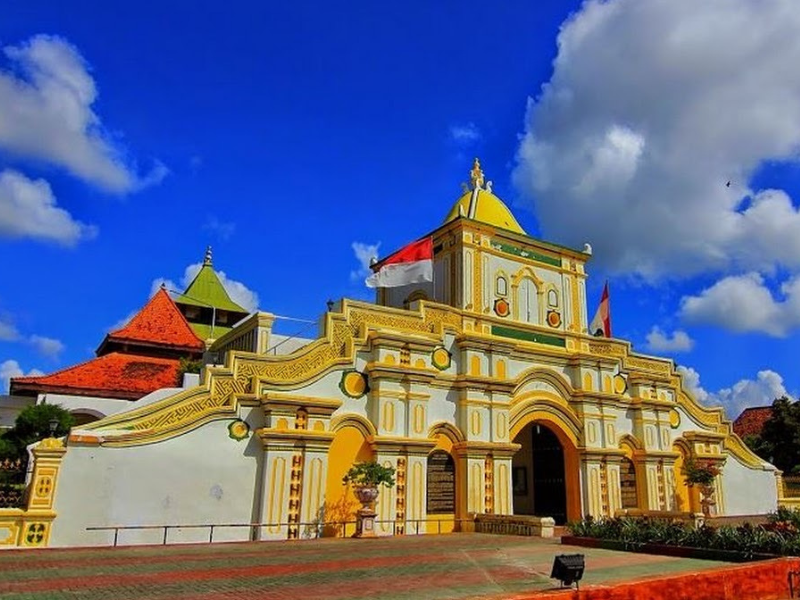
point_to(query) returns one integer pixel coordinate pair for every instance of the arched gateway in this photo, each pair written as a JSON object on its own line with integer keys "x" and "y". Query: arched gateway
{"x": 545, "y": 470}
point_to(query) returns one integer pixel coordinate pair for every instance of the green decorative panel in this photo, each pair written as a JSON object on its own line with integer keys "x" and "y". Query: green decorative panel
{"x": 529, "y": 254}
{"x": 529, "y": 336}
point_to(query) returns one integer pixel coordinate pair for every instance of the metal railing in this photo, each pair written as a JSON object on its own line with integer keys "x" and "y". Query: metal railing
{"x": 12, "y": 483}
{"x": 305, "y": 530}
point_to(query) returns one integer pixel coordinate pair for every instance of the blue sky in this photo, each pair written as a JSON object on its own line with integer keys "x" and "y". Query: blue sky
{"x": 288, "y": 135}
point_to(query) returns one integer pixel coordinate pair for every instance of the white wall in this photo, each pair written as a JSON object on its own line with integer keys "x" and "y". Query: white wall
{"x": 201, "y": 477}
{"x": 747, "y": 491}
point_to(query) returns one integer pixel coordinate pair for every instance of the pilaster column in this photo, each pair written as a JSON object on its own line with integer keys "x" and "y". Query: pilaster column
{"x": 37, "y": 520}
{"x": 402, "y": 508}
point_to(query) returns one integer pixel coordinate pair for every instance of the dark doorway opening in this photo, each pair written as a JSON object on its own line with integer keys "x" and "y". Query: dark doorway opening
{"x": 549, "y": 486}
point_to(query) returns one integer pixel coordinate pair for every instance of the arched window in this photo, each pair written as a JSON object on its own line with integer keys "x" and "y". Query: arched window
{"x": 552, "y": 299}
{"x": 414, "y": 296}
{"x": 501, "y": 286}
{"x": 627, "y": 483}
{"x": 527, "y": 301}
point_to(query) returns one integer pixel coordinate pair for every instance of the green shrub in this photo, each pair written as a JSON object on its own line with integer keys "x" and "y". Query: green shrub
{"x": 32, "y": 425}
{"x": 369, "y": 474}
{"x": 780, "y": 536}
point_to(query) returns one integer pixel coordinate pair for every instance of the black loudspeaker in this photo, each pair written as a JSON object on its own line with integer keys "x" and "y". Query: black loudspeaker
{"x": 568, "y": 568}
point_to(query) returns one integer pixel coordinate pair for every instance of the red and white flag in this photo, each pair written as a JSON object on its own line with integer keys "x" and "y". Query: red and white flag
{"x": 601, "y": 324}
{"x": 411, "y": 264}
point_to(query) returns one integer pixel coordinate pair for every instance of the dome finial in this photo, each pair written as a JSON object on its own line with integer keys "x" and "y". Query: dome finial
{"x": 476, "y": 175}
{"x": 207, "y": 260}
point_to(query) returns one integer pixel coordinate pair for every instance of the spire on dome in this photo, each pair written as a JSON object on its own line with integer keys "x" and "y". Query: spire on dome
{"x": 207, "y": 260}
{"x": 481, "y": 204}
{"x": 476, "y": 175}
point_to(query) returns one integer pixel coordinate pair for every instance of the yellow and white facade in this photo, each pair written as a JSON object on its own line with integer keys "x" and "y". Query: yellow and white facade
{"x": 490, "y": 364}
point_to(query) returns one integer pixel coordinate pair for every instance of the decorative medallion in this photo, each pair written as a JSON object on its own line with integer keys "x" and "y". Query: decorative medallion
{"x": 674, "y": 419}
{"x": 35, "y": 534}
{"x": 353, "y": 384}
{"x": 620, "y": 384}
{"x": 553, "y": 318}
{"x": 501, "y": 307}
{"x": 238, "y": 430}
{"x": 441, "y": 358}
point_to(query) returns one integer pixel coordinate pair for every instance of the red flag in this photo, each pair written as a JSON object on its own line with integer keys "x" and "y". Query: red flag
{"x": 411, "y": 264}
{"x": 601, "y": 324}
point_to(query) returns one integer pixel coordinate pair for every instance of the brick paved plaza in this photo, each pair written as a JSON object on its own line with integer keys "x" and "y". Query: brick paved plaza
{"x": 447, "y": 566}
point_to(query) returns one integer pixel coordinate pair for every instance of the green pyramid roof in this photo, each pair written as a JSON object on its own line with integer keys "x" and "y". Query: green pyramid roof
{"x": 207, "y": 290}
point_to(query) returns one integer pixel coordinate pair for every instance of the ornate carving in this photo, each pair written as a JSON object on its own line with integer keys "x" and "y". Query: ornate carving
{"x": 35, "y": 534}
{"x": 400, "y": 489}
{"x": 488, "y": 484}
{"x": 646, "y": 364}
{"x": 295, "y": 494}
{"x": 606, "y": 349}
{"x": 164, "y": 418}
{"x": 44, "y": 486}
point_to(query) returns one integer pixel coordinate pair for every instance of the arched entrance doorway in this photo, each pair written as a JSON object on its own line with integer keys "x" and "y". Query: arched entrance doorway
{"x": 539, "y": 473}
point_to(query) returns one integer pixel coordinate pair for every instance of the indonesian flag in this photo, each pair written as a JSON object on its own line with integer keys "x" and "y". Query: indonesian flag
{"x": 411, "y": 264}
{"x": 601, "y": 324}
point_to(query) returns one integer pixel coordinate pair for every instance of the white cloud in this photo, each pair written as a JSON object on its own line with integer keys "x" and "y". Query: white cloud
{"x": 744, "y": 303}
{"x": 691, "y": 382}
{"x": 660, "y": 341}
{"x": 760, "y": 391}
{"x": 46, "y": 346}
{"x": 127, "y": 318}
{"x": 8, "y": 332}
{"x": 652, "y": 107}
{"x": 238, "y": 292}
{"x": 465, "y": 134}
{"x": 46, "y": 99}
{"x": 364, "y": 254}
{"x": 223, "y": 230}
{"x": 28, "y": 209}
{"x": 11, "y": 368}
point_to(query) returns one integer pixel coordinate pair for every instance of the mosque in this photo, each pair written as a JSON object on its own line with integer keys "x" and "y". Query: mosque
{"x": 482, "y": 388}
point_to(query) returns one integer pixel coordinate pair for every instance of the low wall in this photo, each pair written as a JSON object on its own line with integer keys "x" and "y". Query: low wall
{"x": 514, "y": 525}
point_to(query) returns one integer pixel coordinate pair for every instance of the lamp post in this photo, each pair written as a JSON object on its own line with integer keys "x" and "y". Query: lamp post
{"x": 53, "y": 426}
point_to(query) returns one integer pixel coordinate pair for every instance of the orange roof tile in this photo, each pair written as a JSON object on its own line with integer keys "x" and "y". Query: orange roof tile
{"x": 159, "y": 323}
{"x": 113, "y": 375}
{"x": 752, "y": 420}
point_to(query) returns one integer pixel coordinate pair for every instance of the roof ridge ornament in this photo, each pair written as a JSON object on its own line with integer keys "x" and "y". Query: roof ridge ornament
{"x": 207, "y": 260}
{"x": 476, "y": 175}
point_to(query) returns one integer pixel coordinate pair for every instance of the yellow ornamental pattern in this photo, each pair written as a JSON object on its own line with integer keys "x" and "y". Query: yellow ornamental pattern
{"x": 246, "y": 375}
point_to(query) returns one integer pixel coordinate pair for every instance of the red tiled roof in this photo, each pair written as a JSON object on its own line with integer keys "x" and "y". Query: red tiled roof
{"x": 159, "y": 323}
{"x": 752, "y": 420}
{"x": 113, "y": 375}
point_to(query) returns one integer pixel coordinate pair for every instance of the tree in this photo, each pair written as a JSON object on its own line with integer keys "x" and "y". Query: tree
{"x": 33, "y": 424}
{"x": 779, "y": 442}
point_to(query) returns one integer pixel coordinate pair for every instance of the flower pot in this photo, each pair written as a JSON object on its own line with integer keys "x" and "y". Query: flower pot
{"x": 366, "y": 494}
{"x": 365, "y": 517}
{"x": 707, "y": 500}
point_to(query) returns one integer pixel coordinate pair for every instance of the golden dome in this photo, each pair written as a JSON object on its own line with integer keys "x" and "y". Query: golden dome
{"x": 482, "y": 205}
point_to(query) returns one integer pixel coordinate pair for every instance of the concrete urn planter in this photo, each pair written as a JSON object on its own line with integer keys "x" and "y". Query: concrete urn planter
{"x": 365, "y": 517}
{"x": 366, "y": 494}
{"x": 707, "y": 500}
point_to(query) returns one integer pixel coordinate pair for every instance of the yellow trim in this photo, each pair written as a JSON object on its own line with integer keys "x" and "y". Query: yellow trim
{"x": 449, "y": 430}
{"x": 364, "y": 425}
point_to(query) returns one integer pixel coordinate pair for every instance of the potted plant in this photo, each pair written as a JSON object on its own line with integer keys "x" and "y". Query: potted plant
{"x": 702, "y": 473}
{"x": 366, "y": 478}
